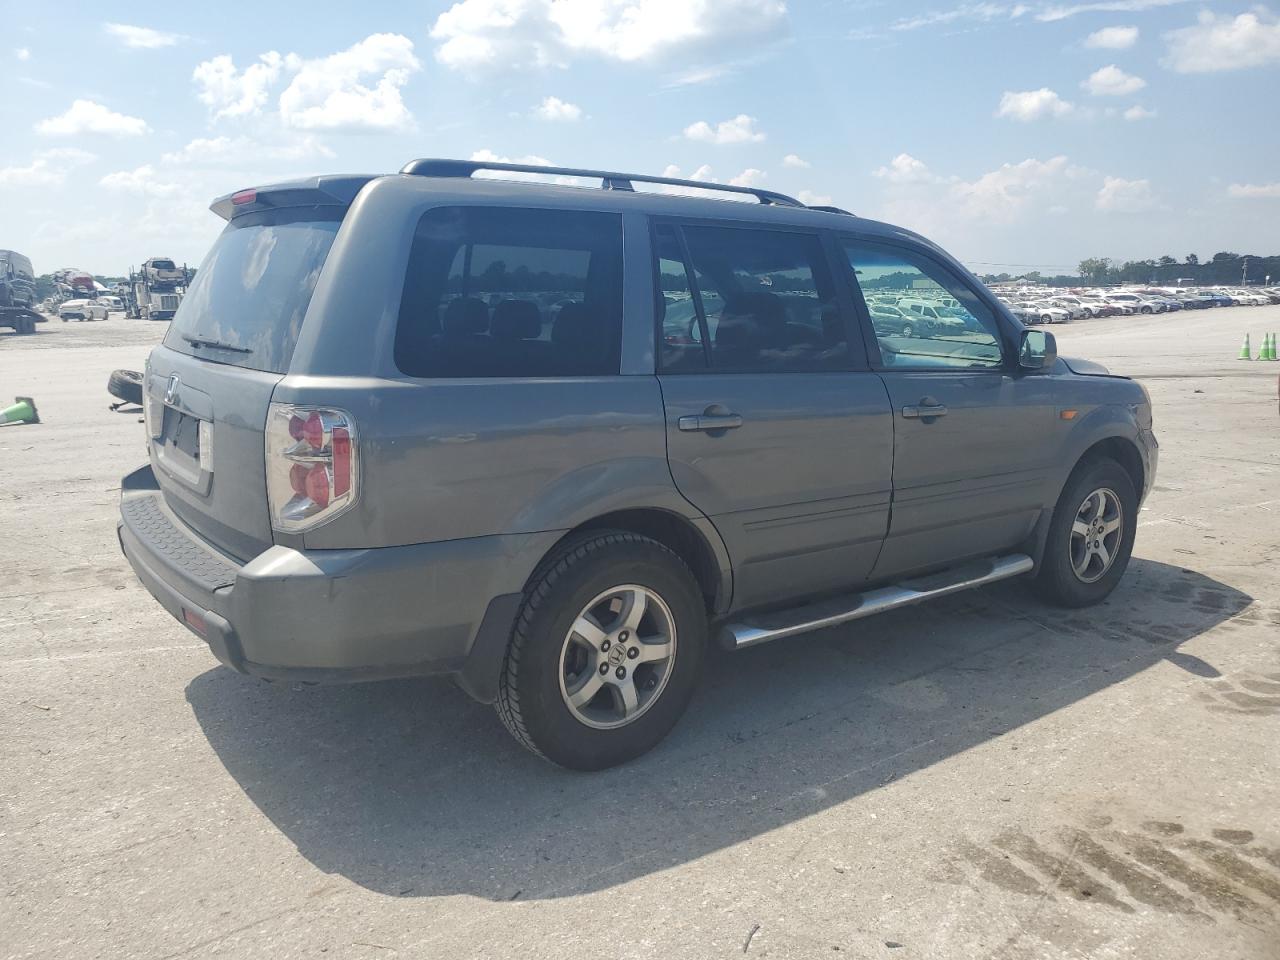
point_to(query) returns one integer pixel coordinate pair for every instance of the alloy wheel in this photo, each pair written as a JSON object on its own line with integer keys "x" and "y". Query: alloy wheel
{"x": 618, "y": 656}
{"x": 1096, "y": 532}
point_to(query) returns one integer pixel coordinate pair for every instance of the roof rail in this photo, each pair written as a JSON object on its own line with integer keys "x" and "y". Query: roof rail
{"x": 608, "y": 180}
{"x": 827, "y": 209}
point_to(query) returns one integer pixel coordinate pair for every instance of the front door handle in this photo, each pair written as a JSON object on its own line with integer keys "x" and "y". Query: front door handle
{"x": 710, "y": 421}
{"x": 925, "y": 411}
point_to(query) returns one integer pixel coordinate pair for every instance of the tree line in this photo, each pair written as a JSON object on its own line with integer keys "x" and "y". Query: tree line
{"x": 1225, "y": 269}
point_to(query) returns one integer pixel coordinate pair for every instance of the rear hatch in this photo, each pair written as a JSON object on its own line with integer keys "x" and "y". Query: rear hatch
{"x": 209, "y": 384}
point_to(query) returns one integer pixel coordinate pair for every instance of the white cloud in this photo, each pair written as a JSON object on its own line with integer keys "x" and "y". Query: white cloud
{"x": 987, "y": 12}
{"x": 353, "y": 89}
{"x": 750, "y": 177}
{"x": 331, "y": 93}
{"x": 1064, "y": 11}
{"x": 1028, "y": 105}
{"x": 553, "y": 108}
{"x": 22, "y": 53}
{"x": 503, "y": 34}
{"x": 1002, "y": 194}
{"x": 1138, "y": 112}
{"x": 222, "y": 151}
{"x": 965, "y": 11}
{"x": 140, "y": 180}
{"x": 811, "y": 199}
{"x": 741, "y": 129}
{"x": 47, "y": 168}
{"x": 1219, "y": 43}
{"x": 1112, "y": 38}
{"x": 702, "y": 173}
{"x": 1254, "y": 191}
{"x": 1111, "y": 81}
{"x": 1118, "y": 195}
{"x": 86, "y": 116}
{"x": 791, "y": 160}
{"x": 141, "y": 38}
{"x": 905, "y": 168}
{"x": 229, "y": 92}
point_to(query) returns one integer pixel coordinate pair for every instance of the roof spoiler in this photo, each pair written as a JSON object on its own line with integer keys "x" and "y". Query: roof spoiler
{"x": 337, "y": 191}
{"x": 609, "y": 180}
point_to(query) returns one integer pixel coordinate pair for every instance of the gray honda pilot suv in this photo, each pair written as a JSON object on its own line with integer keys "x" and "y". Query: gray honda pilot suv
{"x": 553, "y": 439}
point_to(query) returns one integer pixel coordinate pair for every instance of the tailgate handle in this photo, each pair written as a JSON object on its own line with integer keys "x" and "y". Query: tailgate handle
{"x": 710, "y": 421}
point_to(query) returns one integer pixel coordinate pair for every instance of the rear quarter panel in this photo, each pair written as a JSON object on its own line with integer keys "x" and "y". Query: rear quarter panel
{"x": 450, "y": 459}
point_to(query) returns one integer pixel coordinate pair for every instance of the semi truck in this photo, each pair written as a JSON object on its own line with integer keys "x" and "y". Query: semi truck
{"x": 17, "y": 293}
{"x": 155, "y": 289}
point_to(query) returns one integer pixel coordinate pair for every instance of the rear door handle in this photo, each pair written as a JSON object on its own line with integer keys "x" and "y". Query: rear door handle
{"x": 925, "y": 411}
{"x": 710, "y": 421}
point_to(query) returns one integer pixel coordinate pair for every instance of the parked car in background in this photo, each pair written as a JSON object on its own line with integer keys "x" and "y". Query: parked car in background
{"x": 1192, "y": 300}
{"x": 82, "y": 309}
{"x": 1140, "y": 304}
{"x": 1049, "y": 312}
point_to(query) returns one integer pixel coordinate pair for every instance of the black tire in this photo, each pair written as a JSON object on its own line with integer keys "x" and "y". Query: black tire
{"x": 530, "y": 702}
{"x": 126, "y": 385}
{"x": 1056, "y": 581}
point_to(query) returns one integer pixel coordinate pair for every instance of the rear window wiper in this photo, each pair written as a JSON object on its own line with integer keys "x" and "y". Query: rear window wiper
{"x": 206, "y": 342}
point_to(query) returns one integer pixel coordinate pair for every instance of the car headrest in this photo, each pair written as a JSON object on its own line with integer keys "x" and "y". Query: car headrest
{"x": 465, "y": 316}
{"x": 764, "y": 308}
{"x": 572, "y": 325}
{"x": 516, "y": 320}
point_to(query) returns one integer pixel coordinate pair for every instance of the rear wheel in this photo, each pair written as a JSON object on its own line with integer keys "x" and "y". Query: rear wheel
{"x": 604, "y": 653}
{"x": 1090, "y": 536}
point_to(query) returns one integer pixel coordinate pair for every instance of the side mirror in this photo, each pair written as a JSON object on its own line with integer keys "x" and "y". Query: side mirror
{"x": 1038, "y": 350}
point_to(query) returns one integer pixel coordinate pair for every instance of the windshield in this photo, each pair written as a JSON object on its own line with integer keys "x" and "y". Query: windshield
{"x": 252, "y": 290}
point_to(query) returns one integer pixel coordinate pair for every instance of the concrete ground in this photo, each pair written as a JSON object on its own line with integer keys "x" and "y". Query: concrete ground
{"x": 982, "y": 777}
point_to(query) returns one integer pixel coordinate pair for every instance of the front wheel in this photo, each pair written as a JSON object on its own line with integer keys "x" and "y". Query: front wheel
{"x": 1090, "y": 536}
{"x": 605, "y": 652}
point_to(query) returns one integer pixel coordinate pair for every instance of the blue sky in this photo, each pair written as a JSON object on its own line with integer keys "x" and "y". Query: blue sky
{"x": 1033, "y": 133}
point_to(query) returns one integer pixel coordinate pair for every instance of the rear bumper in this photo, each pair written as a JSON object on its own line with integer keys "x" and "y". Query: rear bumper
{"x": 335, "y": 615}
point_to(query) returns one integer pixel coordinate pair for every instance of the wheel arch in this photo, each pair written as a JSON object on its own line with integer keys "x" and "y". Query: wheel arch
{"x": 695, "y": 541}
{"x": 1115, "y": 445}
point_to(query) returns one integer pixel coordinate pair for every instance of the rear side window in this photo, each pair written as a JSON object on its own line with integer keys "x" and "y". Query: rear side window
{"x": 760, "y": 301}
{"x": 493, "y": 292}
{"x": 246, "y": 304}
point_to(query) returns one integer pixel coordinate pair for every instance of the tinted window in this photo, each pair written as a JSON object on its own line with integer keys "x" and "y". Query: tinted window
{"x": 512, "y": 293}
{"x": 253, "y": 289}
{"x": 761, "y": 301}
{"x": 909, "y": 299}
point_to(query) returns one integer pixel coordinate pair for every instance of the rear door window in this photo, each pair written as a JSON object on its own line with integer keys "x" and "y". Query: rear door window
{"x": 246, "y": 304}
{"x": 495, "y": 292}
{"x": 760, "y": 301}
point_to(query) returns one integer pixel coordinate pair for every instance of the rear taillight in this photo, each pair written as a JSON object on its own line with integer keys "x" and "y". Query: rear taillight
{"x": 312, "y": 465}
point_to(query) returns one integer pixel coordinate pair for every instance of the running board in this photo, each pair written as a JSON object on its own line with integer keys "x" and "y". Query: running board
{"x": 828, "y": 613}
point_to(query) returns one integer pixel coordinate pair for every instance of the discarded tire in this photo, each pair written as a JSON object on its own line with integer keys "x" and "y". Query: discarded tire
{"x": 127, "y": 385}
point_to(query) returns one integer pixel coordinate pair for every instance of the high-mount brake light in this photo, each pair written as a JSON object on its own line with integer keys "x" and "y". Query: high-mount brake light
{"x": 312, "y": 465}
{"x": 244, "y": 196}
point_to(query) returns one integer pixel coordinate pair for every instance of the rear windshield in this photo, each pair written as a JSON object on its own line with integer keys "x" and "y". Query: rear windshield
{"x": 246, "y": 304}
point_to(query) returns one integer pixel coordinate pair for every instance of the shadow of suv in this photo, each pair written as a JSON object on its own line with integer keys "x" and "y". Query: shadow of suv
{"x": 432, "y": 423}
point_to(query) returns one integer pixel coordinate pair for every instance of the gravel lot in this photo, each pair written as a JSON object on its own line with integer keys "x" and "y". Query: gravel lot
{"x": 982, "y": 777}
